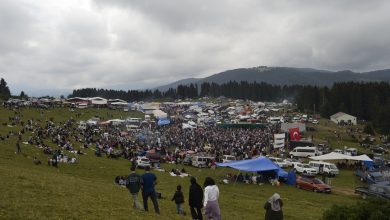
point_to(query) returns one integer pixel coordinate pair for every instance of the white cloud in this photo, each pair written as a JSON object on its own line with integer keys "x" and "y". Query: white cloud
{"x": 136, "y": 44}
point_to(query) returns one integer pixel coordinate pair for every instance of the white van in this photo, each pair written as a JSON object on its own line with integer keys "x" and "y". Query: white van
{"x": 201, "y": 161}
{"x": 324, "y": 167}
{"x": 305, "y": 152}
{"x": 228, "y": 158}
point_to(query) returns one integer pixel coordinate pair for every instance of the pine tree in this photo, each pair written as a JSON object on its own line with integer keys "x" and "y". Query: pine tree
{"x": 4, "y": 90}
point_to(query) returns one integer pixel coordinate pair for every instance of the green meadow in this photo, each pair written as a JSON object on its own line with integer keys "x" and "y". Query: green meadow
{"x": 86, "y": 190}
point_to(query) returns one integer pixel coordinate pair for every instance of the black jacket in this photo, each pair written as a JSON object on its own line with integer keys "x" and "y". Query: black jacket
{"x": 271, "y": 214}
{"x": 195, "y": 198}
{"x": 133, "y": 183}
{"x": 178, "y": 197}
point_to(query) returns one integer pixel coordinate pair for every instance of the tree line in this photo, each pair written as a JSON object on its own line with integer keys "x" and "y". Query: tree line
{"x": 367, "y": 101}
{"x": 237, "y": 90}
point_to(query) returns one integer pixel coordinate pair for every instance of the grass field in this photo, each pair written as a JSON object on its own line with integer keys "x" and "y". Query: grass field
{"x": 86, "y": 190}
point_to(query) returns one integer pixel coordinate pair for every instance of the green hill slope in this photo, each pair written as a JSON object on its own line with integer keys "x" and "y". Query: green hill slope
{"x": 86, "y": 190}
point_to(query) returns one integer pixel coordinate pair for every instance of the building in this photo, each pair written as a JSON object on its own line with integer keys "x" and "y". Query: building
{"x": 343, "y": 118}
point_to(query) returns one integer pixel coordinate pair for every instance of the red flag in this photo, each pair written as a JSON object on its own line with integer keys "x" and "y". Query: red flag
{"x": 294, "y": 134}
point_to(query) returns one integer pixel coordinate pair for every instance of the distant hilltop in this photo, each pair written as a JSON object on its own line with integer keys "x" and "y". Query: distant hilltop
{"x": 285, "y": 76}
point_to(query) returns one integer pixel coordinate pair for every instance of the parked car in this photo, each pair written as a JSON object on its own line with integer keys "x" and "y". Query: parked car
{"x": 371, "y": 177}
{"x": 228, "y": 158}
{"x": 143, "y": 162}
{"x": 201, "y": 161}
{"x": 290, "y": 161}
{"x": 279, "y": 162}
{"x": 338, "y": 151}
{"x": 324, "y": 167}
{"x": 305, "y": 152}
{"x": 305, "y": 168}
{"x": 312, "y": 184}
{"x": 374, "y": 190}
{"x": 187, "y": 161}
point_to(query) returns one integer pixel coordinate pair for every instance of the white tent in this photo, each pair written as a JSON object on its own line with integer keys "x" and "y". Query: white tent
{"x": 332, "y": 156}
{"x": 338, "y": 156}
{"x": 362, "y": 158}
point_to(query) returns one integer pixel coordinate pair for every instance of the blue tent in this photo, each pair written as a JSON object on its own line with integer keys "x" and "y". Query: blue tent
{"x": 291, "y": 178}
{"x": 282, "y": 173}
{"x": 254, "y": 165}
{"x": 163, "y": 121}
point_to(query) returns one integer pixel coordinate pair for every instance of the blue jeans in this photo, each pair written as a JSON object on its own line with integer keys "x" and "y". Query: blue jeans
{"x": 179, "y": 209}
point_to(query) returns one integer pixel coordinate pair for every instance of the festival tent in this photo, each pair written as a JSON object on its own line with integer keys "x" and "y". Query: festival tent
{"x": 291, "y": 178}
{"x": 332, "y": 156}
{"x": 368, "y": 162}
{"x": 259, "y": 164}
{"x": 254, "y": 165}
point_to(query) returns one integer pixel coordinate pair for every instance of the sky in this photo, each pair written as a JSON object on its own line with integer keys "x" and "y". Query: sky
{"x": 61, "y": 45}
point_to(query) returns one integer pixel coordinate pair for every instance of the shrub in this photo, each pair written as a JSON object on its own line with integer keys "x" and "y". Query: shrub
{"x": 372, "y": 209}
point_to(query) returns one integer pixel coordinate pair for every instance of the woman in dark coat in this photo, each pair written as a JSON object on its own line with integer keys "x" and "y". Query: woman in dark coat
{"x": 273, "y": 208}
{"x": 195, "y": 199}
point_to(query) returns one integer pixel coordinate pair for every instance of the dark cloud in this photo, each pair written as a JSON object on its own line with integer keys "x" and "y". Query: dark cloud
{"x": 137, "y": 44}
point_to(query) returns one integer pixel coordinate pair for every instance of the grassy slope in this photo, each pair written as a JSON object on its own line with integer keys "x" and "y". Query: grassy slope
{"x": 86, "y": 190}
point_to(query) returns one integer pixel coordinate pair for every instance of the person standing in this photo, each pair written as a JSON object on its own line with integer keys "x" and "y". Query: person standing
{"x": 18, "y": 149}
{"x": 148, "y": 181}
{"x": 178, "y": 197}
{"x": 273, "y": 208}
{"x": 195, "y": 200}
{"x": 133, "y": 184}
{"x": 210, "y": 203}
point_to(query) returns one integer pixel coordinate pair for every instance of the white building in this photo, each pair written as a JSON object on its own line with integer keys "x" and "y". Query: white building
{"x": 98, "y": 101}
{"x": 341, "y": 117}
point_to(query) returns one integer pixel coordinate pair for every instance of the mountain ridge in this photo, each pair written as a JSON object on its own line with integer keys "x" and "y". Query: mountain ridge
{"x": 284, "y": 76}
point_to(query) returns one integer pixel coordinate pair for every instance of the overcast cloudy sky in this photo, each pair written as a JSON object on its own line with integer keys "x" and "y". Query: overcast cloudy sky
{"x": 66, "y": 44}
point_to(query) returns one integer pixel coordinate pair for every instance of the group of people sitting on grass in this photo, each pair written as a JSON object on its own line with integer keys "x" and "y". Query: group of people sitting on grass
{"x": 265, "y": 177}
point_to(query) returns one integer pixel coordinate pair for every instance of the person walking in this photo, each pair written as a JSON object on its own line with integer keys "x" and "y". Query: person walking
{"x": 210, "y": 203}
{"x": 133, "y": 184}
{"x": 195, "y": 200}
{"x": 273, "y": 208}
{"x": 18, "y": 149}
{"x": 148, "y": 181}
{"x": 178, "y": 197}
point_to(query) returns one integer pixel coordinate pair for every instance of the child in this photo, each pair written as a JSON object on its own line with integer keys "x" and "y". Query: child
{"x": 179, "y": 199}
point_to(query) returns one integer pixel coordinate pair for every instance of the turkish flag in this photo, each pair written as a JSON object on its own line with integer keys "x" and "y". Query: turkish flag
{"x": 294, "y": 134}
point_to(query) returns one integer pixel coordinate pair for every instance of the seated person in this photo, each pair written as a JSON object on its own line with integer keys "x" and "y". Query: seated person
{"x": 117, "y": 178}
{"x": 37, "y": 161}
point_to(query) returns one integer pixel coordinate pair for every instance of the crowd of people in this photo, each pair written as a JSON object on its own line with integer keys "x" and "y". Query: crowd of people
{"x": 63, "y": 138}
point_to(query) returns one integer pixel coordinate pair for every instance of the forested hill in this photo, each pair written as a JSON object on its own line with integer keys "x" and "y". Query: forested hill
{"x": 285, "y": 76}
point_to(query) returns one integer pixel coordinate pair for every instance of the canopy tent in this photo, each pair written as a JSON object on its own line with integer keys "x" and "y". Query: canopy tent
{"x": 254, "y": 165}
{"x": 260, "y": 164}
{"x": 332, "y": 156}
{"x": 282, "y": 173}
{"x": 368, "y": 162}
{"x": 291, "y": 178}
